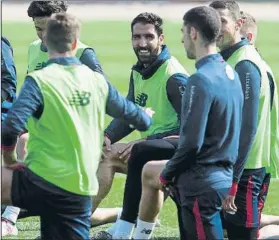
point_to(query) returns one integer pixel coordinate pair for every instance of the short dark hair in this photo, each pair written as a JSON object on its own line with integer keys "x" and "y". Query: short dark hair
{"x": 206, "y": 20}
{"x": 232, "y": 6}
{"x": 62, "y": 31}
{"x": 46, "y": 8}
{"x": 149, "y": 18}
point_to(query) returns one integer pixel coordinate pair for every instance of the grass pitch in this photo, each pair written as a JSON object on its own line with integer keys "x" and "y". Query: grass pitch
{"x": 111, "y": 41}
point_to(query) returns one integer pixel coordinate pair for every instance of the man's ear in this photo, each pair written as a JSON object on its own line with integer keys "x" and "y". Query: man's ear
{"x": 239, "y": 24}
{"x": 74, "y": 45}
{"x": 193, "y": 33}
{"x": 161, "y": 39}
{"x": 250, "y": 36}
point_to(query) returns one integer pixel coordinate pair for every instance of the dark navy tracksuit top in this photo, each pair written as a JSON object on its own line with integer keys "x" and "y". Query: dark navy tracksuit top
{"x": 210, "y": 128}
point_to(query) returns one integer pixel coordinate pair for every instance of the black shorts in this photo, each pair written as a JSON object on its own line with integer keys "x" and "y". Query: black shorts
{"x": 64, "y": 215}
{"x": 250, "y": 198}
{"x": 199, "y": 216}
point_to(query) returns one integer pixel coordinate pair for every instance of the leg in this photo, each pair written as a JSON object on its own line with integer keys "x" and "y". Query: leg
{"x": 103, "y": 216}
{"x": 6, "y": 187}
{"x": 201, "y": 215}
{"x": 269, "y": 220}
{"x": 10, "y": 215}
{"x": 107, "y": 168}
{"x": 66, "y": 219}
{"x": 269, "y": 232}
{"x": 150, "y": 193}
{"x": 7, "y": 224}
{"x": 141, "y": 153}
{"x": 244, "y": 224}
{"x": 240, "y": 233}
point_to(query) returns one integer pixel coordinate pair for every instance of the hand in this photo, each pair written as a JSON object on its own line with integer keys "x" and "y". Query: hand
{"x": 126, "y": 152}
{"x": 149, "y": 112}
{"x": 228, "y": 204}
{"x": 172, "y": 137}
{"x": 107, "y": 143}
{"x": 106, "y": 147}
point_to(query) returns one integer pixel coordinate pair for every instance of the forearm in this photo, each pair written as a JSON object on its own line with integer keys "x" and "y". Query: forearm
{"x": 28, "y": 104}
{"x": 121, "y": 108}
{"x": 117, "y": 130}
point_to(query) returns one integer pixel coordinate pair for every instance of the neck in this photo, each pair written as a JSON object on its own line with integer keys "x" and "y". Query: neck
{"x": 60, "y": 55}
{"x": 203, "y": 51}
{"x": 236, "y": 40}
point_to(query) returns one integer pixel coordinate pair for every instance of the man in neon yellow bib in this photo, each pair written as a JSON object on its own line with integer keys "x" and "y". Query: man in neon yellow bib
{"x": 156, "y": 81}
{"x": 63, "y": 107}
{"x": 255, "y": 163}
{"x": 269, "y": 225}
{"x": 40, "y": 12}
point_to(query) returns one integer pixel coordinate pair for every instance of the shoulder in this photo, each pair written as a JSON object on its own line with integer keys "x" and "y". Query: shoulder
{"x": 174, "y": 66}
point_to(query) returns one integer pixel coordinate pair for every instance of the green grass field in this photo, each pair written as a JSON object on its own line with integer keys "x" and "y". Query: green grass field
{"x": 111, "y": 41}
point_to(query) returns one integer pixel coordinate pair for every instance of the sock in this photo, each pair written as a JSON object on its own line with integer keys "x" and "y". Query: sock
{"x": 113, "y": 227}
{"x": 124, "y": 230}
{"x": 144, "y": 230}
{"x": 11, "y": 213}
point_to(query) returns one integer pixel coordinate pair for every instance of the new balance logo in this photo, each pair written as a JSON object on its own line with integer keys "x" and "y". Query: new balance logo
{"x": 146, "y": 231}
{"x": 80, "y": 98}
{"x": 40, "y": 65}
{"x": 141, "y": 99}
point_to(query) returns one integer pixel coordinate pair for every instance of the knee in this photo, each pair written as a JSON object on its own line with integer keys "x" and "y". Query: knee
{"x": 149, "y": 175}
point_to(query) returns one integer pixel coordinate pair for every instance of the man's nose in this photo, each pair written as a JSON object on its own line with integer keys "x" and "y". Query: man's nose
{"x": 142, "y": 42}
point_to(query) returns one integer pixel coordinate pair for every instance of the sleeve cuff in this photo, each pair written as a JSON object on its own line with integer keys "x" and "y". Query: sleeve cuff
{"x": 8, "y": 148}
{"x": 162, "y": 180}
{"x": 233, "y": 189}
{"x": 107, "y": 135}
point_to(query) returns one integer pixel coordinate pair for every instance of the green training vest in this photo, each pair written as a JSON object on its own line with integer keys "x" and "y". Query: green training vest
{"x": 65, "y": 144}
{"x": 152, "y": 93}
{"x": 274, "y": 152}
{"x": 37, "y": 58}
{"x": 260, "y": 154}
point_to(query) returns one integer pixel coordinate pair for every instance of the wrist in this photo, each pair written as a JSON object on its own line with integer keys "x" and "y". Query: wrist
{"x": 233, "y": 189}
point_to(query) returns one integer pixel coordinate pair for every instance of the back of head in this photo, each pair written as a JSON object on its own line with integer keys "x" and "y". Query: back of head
{"x": 249, "y": 27}
{"x": 149, "y": 18}
{"x": 206, "y": 21}
{"x": 230, "y": 5}
{"x": 46, "y": 8}
{"x": 62, "y": 32}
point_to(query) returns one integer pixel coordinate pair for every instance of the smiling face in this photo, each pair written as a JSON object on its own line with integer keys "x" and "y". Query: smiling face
{"x": 146, "y": 42}
{"x": 229, "y": 30}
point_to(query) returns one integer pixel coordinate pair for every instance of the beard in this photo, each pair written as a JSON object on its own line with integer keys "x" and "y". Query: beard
{"x": 147, "y": 55}
{"x": 225, "y": 40}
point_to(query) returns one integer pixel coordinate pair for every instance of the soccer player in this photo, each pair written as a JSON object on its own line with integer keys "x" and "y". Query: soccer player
{"x": 202, "y": 164}
{"x": 269, "y": 224}
{"x": 258, "y": 145}
{"x": 40, "y": 11}
{"x": 155, "y": 72}
{"x": 8, "y": 97}
{"x": 63, "y": 106}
